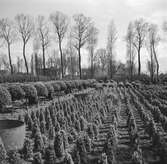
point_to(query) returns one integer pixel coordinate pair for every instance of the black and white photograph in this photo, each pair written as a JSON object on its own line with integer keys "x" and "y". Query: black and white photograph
{"x": 83, "y": 81}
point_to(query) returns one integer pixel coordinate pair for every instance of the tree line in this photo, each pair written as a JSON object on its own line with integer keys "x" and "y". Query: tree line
{"x": 81, "y": 33}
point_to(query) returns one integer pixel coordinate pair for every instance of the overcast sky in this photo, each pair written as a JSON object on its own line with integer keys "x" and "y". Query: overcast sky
{"x": 102, "y": 12}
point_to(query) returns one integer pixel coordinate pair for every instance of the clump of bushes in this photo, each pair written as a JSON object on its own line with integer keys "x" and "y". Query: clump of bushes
{"x": 58, "y": 145}
{"x": 49, "y": 155}
{"x": 5, "y": 98}
{"x": 37, "y": 159}
{"x": 28, "y": 149}
{"x": 62, "y": 85}
{"x": 16, "y": 92}
{"x": 56, "y": 86}
{"x": 41, "y": 89}
{"x": 30, "y": 93}
{"x": 50, "y": 90}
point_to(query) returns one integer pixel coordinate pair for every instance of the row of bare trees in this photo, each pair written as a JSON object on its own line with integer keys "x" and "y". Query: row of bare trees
{"x": 24, "y": 28}
{"x": 142, "y": 34}
{"x": 82, "y": 32}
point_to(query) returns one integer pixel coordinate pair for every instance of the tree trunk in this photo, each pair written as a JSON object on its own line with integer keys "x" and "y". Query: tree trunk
{"x": 72, "y": 70}
{"x": 157, "y": 63}
{"x": 36, "y": 64}
{"x": 139, "y": 62}
{"x": 152, "y": 65}
{"x": 44, "y": 68}
{"x": 80, "y": 71}
{"x": 61, "y": 55}
{"x": 24, "y": 56}
{"x": 111, "y": 72}
{"x": 92, "y": 70}
{"x": 10, "y": 60}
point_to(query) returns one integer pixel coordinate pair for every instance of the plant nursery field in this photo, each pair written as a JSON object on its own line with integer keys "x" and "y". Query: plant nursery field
{"x": 83, "y": 122}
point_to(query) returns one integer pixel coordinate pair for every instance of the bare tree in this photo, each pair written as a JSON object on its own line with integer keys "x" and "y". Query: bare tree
{"x": 140, "y": 31}
{"x": 25, "y": 28}
{"x": 101, "y": 58}
{"x": 154, "y": 40}
{"x": 129, "y": 38}
{"x": 91, "y": 43}
{"x": 18, "y": 63}
{"x": 112, "y": 37}
{"x": 36, "y": 47}
{"x": 72, "y": 58}
{"x": 80, "y": 33}
{"x": 43, "y": 36}
{"x": 60, "y": 21}
{"x": 8, "y": 34}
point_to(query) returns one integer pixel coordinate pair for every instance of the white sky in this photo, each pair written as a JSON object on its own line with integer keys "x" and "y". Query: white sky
{"x": 102, "y": 12}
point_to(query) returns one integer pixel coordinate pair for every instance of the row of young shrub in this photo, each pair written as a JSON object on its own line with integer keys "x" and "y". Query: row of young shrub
{"x": 31, "y": 91}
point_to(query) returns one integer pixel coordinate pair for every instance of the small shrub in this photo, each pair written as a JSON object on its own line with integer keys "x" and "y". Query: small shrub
{"x": 30, "y": 93}
{"x": 68, "y": 159}
{"x": 51, "y": 133}
{"x": 14, "y": 157}
{"x": 3, "y": 154}
{"x": 62, "y": 85}
{"x": 38, "y": 142}
{"x": 16, "y": 92}
{"x": 41, "y": 89}
{"x": 58, "y": 145}
{"x": 50, "y": 155}
{"x": 56, "y": 86}
{"x": 5, "y": 98}
{"x": 28, "y": 149}
{"x": 50, "y": 90}
{"x": 90, "y": 131}
{"x": 70, "y": 84}
{"x": 37, "y": 158}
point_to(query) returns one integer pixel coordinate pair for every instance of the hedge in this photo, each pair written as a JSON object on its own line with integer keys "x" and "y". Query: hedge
{"x": 5, "y": 98}
{"x": 30, "y": 93}
{"x": 50, "y": 89}
{"x": 62, "y": 85}
{"x": 56, "y": 86}
{"x": 33, "y": 90}
{"x": 41, "y": 89}
{"x": 16, "y": 92}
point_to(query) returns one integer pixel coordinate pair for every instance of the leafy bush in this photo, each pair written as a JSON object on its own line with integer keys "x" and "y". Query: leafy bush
{"x": 3, "y": 154}
{"x": 68, "y": 159}
{"x": 16, "y": 92}
{"x": 70, "y": 84}
{"x": 58, "y": 145}
{"x": 37, "y": 158}
{"x": 41, "y": 89}
{"x": 38, "y": 142}
{"x": 62, "y": 85}
{"x": 49, "y": 155}
{"x": 28, "y": 149}
{"x": 50, "y": 90}
{"x": 56, "y": 86}
{"x": 14, "y": 157}
{"x": 5, "y": 98}
{"x": 30, "y": 93}
{"x": 85, "y": 84}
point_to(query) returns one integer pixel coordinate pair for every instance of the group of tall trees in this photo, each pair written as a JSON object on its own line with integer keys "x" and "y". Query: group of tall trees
{"x": 142, "y": 34}
{"x": 25, "y": 28}
{"x": 72, "y": 37}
